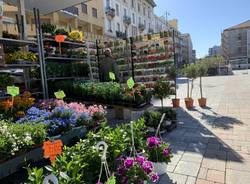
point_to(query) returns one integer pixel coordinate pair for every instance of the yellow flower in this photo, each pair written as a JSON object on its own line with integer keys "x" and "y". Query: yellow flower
{"x": 76, "y": 35}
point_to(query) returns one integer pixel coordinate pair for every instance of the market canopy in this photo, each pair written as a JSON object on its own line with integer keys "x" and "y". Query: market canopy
{"x": 46, "y": 6}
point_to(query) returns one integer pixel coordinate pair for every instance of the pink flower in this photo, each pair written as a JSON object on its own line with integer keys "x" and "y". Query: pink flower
{"x": 153, "y": 142}
{"x": 99, "y": 182}
{"x": 140, "y": 159}
{"x": 155, "y": 177}
{"x": 148, "y": 167}
{"x": 165, "y": 152}
{"x": 128, "y": 163}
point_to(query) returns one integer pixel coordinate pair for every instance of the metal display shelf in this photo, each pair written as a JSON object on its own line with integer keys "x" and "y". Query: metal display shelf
{"x": 59, "y": 59}
{"x": 72, "y": 43}
{"x": 18, "y": 66}
{"x": 16, "y": 43}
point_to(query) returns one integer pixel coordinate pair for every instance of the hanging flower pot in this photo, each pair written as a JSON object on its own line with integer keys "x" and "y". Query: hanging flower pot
{"x": 202, "y": 102}
{"x": 160, "y": 167}
{"x": 189, "y": 102}
{"x": 176, "y": 103}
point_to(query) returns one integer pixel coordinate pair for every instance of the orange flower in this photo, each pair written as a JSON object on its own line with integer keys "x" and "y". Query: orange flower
{"x": 7, "y": 104}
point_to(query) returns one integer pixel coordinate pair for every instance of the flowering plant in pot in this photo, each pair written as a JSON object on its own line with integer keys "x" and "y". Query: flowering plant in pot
{"x": 159, "y": 153}
{"x": 202, "y": 71}
{"x": 135, "y": 170}
{"x": 173, "y": 76}
{"x": 190, "y": 71}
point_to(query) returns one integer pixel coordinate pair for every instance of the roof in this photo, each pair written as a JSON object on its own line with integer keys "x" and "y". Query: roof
{"x": 239, "y": 26}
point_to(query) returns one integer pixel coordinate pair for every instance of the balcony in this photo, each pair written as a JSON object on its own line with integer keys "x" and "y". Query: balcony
{"x": 150, "y": 30}
{"x": 141, "y": 27}
{"x": 120, "y": 34}
{"x": 110, "y": 12}
{"x": 71, "y": 10}
{"x": 127, "y": 20}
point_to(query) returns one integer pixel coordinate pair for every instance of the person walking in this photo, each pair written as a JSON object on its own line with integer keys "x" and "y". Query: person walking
{"x": 108, "y": 64}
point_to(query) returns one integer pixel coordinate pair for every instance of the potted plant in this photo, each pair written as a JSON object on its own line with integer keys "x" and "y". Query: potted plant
{"x": 202, "y": 71}
{"x": 173, "y": 76}
{"x": 162, "y": 90}
{"x": 159, "y": 153}
{"x": 48, "y": 29}
{"x": 190, "y": 72}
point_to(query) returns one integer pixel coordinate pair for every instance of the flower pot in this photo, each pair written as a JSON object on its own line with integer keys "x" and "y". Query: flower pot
{"x": 202, "y": 102}
{"x": 176, "y": 103}
{"x": 160, "y": 167}
{"x": 189, "y": 102}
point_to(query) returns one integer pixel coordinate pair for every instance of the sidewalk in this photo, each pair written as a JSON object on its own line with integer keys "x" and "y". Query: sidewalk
{"x": 212, "y": 145}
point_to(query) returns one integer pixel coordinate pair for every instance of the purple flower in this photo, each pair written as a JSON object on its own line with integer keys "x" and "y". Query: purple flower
{"x": 153, "y": 142}
{"x": 128, "y": 163}
{"x": 155, "y": 177}
{"x": 165, "y": 152}
{"x": 148, "y": 167}
{"x": 140, "y": 159}
{"x": 99, "y": 182}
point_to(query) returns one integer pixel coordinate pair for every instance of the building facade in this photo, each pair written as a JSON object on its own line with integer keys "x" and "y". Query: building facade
{"x": 194, "y": 56}
{"x": 86, "y": 17}
{"x": 214, "y": 51}
{"x": 236, "y": 44}
{"x": 128, "y": 17}
{"x": 187, "y": 50}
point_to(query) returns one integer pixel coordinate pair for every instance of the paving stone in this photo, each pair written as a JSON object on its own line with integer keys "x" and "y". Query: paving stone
{"x": 191, "y": 180}
{"x": 187, "y": 168}
{"x": 237, "y": 177}
{"x": 203, "y": 173}
{"x": 192, "y": 157}
{"x": 201, "y": 181}
{"x": 213, "y": 163}
{"x": 216, "y": 176}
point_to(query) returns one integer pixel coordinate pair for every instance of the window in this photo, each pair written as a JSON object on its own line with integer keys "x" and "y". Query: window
{"x": 117, "y": 9}
{"x": 139, "y": 7}
{"x": 148, "y": 14}
{"x": 144, "y": 11}
{"x": 109, "y": 26}
{"x": 139, "y": 20}
{"x": 84, "y": 8}
{"x": 133, "y": 18}
{"x": 118, "y": 27}
{"x": 239, "y": 49}
{"x": 149, "y": 26}
{"x": 145, "y": 23}
{"x": 125, "y": 12}
{"x": 107, "y": 3}
{"x": 133, "y": 3}
{"x": 94, "y": 12}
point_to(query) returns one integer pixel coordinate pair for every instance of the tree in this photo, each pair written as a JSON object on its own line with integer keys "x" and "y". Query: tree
{"x": 190, "y": 71}
{"x": 202, "y": 69}
{"x": 173, "y": 76}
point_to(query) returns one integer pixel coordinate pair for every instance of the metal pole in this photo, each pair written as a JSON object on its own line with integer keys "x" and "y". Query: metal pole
{"x": 39, "y": 53}
{"x": 98, "y": 58}
{"x": 132, "y": 58}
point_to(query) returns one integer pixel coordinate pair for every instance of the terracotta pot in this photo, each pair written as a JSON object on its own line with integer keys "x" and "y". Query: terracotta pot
{"x": 189, "y": 103}
{"x": 176, "y": 103}
{"x": 202, "y": 102}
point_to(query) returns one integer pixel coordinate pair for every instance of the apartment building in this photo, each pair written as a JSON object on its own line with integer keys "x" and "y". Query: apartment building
{"x": 214, "y": 51}
{"x": 86, "y": 17}
{"x": 236, "y": 43}
{"x": 128, "y": 17}
{"x": 187, "y": 50}
{"x": 160, "y": 24}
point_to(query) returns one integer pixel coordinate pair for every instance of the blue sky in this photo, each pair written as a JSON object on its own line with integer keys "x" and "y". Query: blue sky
{"x": 205, "y": 19}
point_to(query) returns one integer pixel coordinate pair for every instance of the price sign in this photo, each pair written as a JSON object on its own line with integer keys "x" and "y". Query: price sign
{"x": 52, "y": 149}
{"x": 60, "y": 94}
{"x": 13, "y": 90}
{"x": 59, "y": 38}
{"x": 112, "y": 76}
{"x": 130, "y": 83}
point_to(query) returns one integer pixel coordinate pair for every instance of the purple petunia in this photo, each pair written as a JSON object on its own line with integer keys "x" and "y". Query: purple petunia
{"x": 140, "y": 159}
{"x": 99, "y": 182}
{"x": 165, "y": 152}
{"x": 153, "y": 142}
{"x": 128, "y": 163}
{"x": 148, "y": 167}
{"x": 155, "y": 177}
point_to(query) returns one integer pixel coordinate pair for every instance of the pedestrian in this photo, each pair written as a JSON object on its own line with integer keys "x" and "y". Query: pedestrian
{"x": 108, "y": 64}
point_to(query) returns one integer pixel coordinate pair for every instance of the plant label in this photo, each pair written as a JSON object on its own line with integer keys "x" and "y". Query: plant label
{"x": 112, "y": 76}
{"x": 52, "y": 149}
{"x": 59, "y": 38}
{"x": 130, "y": 83}
{"x": 60, "y": 95}
{"x": 13, "y": 90}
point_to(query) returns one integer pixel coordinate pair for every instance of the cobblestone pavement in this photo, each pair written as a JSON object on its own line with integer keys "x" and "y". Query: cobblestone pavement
{"x": 212, "y": 145}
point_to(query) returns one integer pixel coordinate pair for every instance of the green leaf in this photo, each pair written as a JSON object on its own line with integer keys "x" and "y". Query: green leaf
{"x": 64, "y": 176}
{"x": 112, "y": 76}
{"x": 111, "y": 180}
{"x": 13, "y": 91}
{"x": 130, "y": 83}
{"x": 49, "y": 168}
{"x": 60, "y": 94}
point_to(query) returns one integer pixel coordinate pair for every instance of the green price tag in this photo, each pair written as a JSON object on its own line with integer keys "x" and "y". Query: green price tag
{"x": 60, "y": 94}
{"x": 112, "y": 76}
{"x": 13, "y": 91}
{"x": 130, "y": 83}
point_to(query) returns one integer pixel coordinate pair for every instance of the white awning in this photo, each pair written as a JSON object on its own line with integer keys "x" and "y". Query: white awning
{"x": 47, "y": 6}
